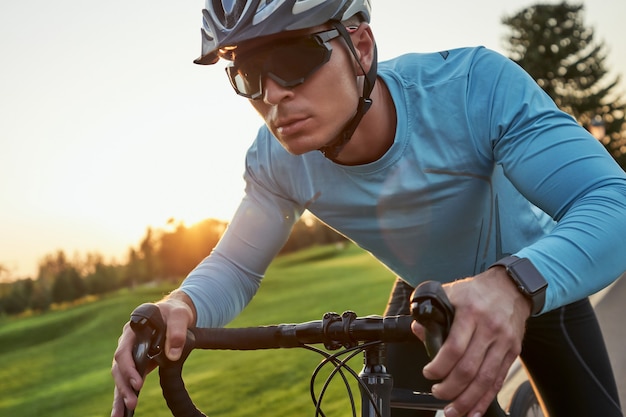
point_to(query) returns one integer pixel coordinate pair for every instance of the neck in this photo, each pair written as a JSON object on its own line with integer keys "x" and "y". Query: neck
{"x": 375, "y": 133}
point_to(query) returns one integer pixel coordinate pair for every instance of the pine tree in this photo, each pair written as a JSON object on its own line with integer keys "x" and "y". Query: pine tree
{"x": 551, "y": 42}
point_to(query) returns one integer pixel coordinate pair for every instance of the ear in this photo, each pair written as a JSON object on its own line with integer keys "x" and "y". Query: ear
{"x": 364, "y": 45}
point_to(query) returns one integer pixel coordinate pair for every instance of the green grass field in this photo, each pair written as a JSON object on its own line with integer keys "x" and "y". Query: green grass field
{"x": 58, "y": 364}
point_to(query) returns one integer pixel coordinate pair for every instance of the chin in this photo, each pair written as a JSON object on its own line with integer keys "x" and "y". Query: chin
{"x": 299, "y": 146}
{"x": 298, "y": 152}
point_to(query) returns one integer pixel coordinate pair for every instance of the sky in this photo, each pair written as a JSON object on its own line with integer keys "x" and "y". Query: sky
{"x": 107, "y": 127}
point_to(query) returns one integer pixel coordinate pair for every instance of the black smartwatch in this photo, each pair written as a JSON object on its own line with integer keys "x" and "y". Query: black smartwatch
{"x": 527, "y": 279}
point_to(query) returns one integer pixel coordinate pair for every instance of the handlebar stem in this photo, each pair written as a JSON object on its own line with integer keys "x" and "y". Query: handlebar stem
{"x": 379, "y": 383}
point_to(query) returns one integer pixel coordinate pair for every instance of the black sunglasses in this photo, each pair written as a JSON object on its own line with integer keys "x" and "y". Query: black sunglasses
{"x": 289, "y": 63}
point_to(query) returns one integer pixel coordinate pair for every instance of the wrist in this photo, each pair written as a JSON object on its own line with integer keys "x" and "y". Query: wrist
{"x": 180, "y": 299}
{"x": 527, "y": 280}
{"x": 510, "y": 289}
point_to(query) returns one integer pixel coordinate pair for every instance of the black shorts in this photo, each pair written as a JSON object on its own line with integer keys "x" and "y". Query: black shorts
{"x": 563, "y": 352}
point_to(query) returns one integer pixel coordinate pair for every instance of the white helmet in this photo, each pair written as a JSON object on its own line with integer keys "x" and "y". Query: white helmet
{"x": 229, "y": 22}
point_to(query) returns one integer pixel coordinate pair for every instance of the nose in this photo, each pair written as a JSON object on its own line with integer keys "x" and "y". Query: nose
{"x": 274, "y": 93}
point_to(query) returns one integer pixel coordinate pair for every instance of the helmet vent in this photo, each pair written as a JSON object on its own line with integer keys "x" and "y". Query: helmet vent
{"x": 266, "y": 8}
{"x": 228, "y": 12}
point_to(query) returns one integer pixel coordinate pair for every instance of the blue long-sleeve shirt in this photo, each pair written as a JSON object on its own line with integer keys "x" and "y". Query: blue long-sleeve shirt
{"x": 483, "y": 165}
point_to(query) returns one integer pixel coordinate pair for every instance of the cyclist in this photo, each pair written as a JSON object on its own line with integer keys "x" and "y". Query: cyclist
{"x": 452, "y": 166}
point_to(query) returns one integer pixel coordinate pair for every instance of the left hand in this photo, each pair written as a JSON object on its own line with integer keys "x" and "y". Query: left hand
{"x": 484, "y": 340}
{"x": 179, "y": 314}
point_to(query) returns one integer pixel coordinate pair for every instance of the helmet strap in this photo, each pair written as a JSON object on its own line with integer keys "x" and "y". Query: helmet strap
{"x": 332, "y": 150}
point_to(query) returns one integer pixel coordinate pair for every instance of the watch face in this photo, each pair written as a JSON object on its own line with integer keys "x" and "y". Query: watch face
{"x": 528, "y": 276}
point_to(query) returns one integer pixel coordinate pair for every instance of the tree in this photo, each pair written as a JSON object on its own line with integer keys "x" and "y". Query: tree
{"x": 5, "y": 274}
{"x": 551, "y": 42}
{"x": 60, "y": 279}
{"x": 104, "y": 278}
{"x": 68, "y": 285}
{"x": 148, "y": 255}
{"x": 309, "y": 231}
{"x": 132, "y": 272}
{"x": 182, "y": 248}
{"x": 18, "y": 298}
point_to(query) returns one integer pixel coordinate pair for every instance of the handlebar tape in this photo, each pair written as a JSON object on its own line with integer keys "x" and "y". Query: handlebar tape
{"x": 170, "y": 373}
{"x": 173, "y": 386}
{"x": 252, "y": 338}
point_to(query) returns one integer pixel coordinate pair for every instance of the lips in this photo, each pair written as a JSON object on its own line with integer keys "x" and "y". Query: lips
{"x": 290, "y": 126}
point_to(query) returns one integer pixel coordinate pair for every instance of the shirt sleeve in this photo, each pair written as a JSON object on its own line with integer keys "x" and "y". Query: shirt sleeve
{"x": 558, "y": 166}
{"x": 225, "y": 281}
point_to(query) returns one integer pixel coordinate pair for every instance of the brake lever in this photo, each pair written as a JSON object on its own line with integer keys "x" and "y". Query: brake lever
{"x": 147, "y": 323}
{"x": 431, "y": 308}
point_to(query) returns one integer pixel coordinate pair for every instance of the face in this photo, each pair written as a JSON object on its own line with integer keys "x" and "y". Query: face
{"x": 304, "y": 87}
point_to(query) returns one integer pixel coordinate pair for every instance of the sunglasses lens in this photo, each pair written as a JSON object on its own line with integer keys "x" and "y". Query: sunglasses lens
{"x": 289, "y": 64}
{"x": 245, "y": 83}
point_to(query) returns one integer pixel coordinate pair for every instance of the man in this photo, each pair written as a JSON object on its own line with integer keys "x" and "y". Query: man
{"x": 452, "y": 166}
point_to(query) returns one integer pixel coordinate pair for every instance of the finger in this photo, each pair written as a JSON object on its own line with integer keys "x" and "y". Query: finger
{"x": 123, "y": 368}
{"x": 127, "y": 380}
{"x": 481, "y": 392}
{"x": 418, "y": 330}
{"x": 486, "y": 359}
{"x": 176, "y": 333}
{"x": 462, "y": 376}
{"x": 123, "y": 397}
{"x": 120, "y": 404}
{"x": 117, "y": 409}
{"x": 456, "y": 409}
{"x": 452, "y": 350}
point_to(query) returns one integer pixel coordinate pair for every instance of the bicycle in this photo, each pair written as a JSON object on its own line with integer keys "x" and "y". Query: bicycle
{"x": 346, "y": 333}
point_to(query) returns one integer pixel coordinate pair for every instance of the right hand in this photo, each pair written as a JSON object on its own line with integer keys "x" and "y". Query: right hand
{"x": 178, "y": 314}
{"x": 484, "y": 340}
